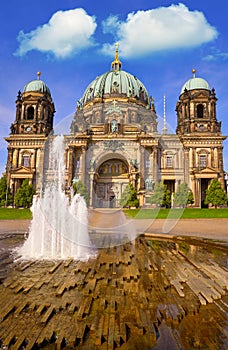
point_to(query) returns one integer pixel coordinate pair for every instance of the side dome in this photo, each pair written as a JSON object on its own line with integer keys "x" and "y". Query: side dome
{"x": 37, "y": 85}
{"x": 195, "y": 83}
{"x": 114, "y": 83}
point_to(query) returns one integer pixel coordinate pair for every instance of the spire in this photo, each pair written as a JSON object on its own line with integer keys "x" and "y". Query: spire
{"x": 164, "y": 130}
{"x": 116, "y": 64}
{"x": 38, "y": 75}
{"x": 194, "y": 72}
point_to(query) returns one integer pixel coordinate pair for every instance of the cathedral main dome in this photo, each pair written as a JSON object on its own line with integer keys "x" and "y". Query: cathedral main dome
{"x": 116, "y": 83}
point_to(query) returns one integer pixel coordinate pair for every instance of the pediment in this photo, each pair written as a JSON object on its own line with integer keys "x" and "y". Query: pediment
{"x": 30, "y": 98}
{"x": 208, "y": 170}
{"x": 200, "y": 95}
{"x": 22, "y": 170}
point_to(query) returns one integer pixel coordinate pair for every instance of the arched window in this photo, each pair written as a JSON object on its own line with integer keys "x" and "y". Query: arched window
{"x": 200, "y": 111}
{"x": 30, "y": 113}
{"x": 202, "y": 161}
{"x": 26, "y": 160}
{"x": 169, "y": 161}
{"x": 112, "y": 167}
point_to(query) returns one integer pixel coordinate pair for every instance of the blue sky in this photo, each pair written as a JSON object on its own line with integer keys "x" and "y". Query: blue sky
{"x": 71, "y": 42}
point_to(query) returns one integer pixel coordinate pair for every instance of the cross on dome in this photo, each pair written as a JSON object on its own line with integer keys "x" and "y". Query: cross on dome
{"x": 116, "y": 64}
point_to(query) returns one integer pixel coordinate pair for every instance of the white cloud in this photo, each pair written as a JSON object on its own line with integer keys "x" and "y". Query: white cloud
{"x": 216, "y": 55}
{"x": 159, "y": 29}
{"x": 67, "y": 32}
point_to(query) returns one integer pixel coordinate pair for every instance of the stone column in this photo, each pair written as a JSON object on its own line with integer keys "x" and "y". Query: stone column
{"x": 186, "y": 164}
{"x": 151, "y": 159}
{"x": 197, "y": 194}
{"x": 190, "y": 158}
{"x": 209, "y": 163}
{"x": 82, "y": 164}
{"x": 155, "y": 164}
{"x": 91, "y": 192}
{"x": 66, "y": 158}
{"x": 142, "y": 166}
{"x": 15, "y": 158}
{"x": 220, "y": 166}
{"x": 23, "y": 112}
{"x": 216, "y": 158}
{"x": 70, "y": 165}
{"x": 32, "y": 164}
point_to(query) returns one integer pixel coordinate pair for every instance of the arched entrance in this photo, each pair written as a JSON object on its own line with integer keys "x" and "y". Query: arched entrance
{"x": 110, "y": 180}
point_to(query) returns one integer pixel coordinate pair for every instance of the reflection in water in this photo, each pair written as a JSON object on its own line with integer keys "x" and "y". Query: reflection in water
{"x": 153, "y": 294}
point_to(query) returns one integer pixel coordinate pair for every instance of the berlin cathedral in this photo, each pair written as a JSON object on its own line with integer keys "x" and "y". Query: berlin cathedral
{"x": 114, "y": 140}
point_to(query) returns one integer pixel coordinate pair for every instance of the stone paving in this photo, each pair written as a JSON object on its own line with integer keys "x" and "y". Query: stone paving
{"x": 216, "y": 229}
{"x": 151, "y": 293}
{"x": 117, "y": 300}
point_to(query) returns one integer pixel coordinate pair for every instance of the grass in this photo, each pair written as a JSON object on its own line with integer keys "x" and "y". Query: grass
{"x": 15, "y": 214}
{"x": 188, "y": 213}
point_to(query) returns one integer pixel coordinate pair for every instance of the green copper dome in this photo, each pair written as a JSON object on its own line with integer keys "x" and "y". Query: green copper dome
{"x": 195, "y": 83}
{"x": 37, "y": 85}
{"x": 115, "y": 83}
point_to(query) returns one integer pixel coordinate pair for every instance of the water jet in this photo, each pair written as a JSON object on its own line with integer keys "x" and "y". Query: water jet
{"x": 59, "y": 228}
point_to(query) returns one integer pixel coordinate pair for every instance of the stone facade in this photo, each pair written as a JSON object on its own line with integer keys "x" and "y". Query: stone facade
{"x": 114, "y": 139}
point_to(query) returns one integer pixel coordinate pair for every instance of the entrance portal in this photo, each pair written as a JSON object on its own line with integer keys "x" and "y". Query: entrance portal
{"x": 204, "y": 186}
{"x": 110, "y": 181}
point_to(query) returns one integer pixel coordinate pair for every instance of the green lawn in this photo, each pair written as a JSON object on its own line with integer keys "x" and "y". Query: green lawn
{"x": 14, "y": 214}
{"x": 188, "y": 213}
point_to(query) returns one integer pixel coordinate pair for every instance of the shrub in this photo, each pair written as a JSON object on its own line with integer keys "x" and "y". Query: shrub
{"x": 161, "y": 196}
{"x": 80, "y": 188}
{"x": 215, "y": 194}
{"x": 6, "y": 197}
{"x": 129, "y": 197}
{"x": 24, "y": 195}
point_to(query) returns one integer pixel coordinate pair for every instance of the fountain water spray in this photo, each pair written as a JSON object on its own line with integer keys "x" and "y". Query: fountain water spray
{"x": 59, "y": 228}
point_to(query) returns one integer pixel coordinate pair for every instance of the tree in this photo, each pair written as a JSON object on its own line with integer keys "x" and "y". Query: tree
{"x": 183, "y": 196}
{"x": 6, "y": 197}
{"x": 161, "y": 196}
{"x": 167, "y": 198}
{"x": 215, "y": 194}
{"x": 80, "y": 188}
{"x": 190, "y": 197}
{"x": 129, "y": 197}
{"x": 24, "y": 195}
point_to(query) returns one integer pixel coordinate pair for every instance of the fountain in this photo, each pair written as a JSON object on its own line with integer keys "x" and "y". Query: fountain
{"x": 157, "y": 291}
{"x": 59, "y": 228}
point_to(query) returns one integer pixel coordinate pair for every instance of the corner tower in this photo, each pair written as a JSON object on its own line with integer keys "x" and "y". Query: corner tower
{"x": 200, "y": 133}
{"x": 28, "y": 133}
{"x": 34, "y": 109}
